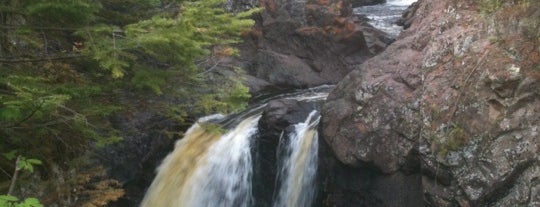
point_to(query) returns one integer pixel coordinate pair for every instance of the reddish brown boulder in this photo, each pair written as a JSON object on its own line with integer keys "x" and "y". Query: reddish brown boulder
{"x": 459, "y": 91}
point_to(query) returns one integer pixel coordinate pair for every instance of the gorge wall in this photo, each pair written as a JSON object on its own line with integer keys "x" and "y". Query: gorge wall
{"x": 300, "y": 44}
{"x": 451, "y": 110}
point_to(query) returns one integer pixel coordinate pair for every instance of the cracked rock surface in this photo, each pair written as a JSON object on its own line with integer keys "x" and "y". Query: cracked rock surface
{"x": 454, "y": 103}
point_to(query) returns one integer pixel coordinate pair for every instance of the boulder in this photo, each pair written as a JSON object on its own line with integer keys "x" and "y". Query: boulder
{"x": 300, "y": 44}
{"x": 458, "y": 95}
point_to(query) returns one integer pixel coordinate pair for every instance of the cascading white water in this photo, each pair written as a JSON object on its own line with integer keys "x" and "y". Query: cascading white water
{"x": 400, "y": 2}
{"x": 225, "y": 179}
{"x": 384, "y": 16}
{"x": 206, "y": 170}
{"x": 299, "y": 165}
{"x": 211, "y": 169}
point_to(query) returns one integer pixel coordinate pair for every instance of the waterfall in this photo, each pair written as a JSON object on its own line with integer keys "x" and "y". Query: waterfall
{"x": 299, "y": 165}
{"x": 209, "y": 168}
{"x": 206, "y": 169}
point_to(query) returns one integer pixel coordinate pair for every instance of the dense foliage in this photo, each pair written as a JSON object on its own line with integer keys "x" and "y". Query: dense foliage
{"x": 67, "y": 66}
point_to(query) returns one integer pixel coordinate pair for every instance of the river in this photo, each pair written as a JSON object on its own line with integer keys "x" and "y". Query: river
{"x": 384, "y": 16}
{"x": 213, "y": 166}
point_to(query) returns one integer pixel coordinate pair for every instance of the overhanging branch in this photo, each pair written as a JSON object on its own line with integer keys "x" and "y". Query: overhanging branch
{"x": 43, "y": 59}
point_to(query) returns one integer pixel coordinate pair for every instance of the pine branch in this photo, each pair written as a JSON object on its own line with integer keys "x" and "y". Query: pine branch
{"x": 27, "y": 117}
{"x": 43, "y": 59}
{"x": 12, "y": 27}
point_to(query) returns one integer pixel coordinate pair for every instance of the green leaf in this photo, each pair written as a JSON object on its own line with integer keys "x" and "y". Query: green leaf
{"x": 30, "y": 168}
{"x": 32, "y": 202}
{"x": 10, "y": 113}
{"x": 34, "y": 161}
{"x": 248, "y": 13}
{"x": 10, "y": 155}
{"x": 21, "y": 164}
{"x": 8, "y": 198}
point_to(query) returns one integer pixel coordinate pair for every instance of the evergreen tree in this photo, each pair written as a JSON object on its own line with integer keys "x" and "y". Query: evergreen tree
{"x": 65, "y": 65}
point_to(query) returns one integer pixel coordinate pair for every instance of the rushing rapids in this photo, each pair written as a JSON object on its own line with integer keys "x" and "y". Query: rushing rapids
{"x": 212, "y": 168}
{"x": 385, "y": 16}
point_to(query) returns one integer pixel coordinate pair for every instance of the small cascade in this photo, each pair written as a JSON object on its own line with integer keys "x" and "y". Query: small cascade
{"x": 400, "y": 2}
{"x": 384, "y": 16}
{"x": 298, "y": 167}
{"x": 206, "y": 169}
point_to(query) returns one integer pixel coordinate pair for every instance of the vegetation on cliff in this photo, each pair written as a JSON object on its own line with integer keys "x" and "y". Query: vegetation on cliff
{"x": 67, "y": 66}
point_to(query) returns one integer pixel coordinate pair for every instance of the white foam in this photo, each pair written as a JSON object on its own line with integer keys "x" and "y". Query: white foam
{"x": 400, "y": 2}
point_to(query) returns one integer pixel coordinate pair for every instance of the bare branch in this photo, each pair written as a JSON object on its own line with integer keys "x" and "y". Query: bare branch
{"x": 5, "y": 172}
{"x": 15, "y": 175}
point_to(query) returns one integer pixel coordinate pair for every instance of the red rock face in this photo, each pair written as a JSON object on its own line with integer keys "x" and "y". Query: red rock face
{"x": 460, "y": 88}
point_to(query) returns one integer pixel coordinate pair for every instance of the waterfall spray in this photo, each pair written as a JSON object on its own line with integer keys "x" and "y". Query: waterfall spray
{"x": 298, "y": 166}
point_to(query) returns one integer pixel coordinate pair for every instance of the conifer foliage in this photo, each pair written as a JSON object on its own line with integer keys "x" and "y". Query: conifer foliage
{"x": 66, "y": 67}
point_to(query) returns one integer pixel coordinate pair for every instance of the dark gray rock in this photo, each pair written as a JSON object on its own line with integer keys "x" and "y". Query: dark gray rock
{"x": 408, "y": 15}
{"x": 133, "y": 160}
{"x": 241, "y": 5}
{"x": 299, "y": 44}
{"x": 359, "y": 3}
{"x": 344, "y": 186}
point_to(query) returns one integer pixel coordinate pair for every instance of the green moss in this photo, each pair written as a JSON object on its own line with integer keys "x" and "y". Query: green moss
{"x": 213, "y": 128}
{"x": 494, "y": 40}
{"x": 490, "y": 6}
{"x": 454, "y": 139}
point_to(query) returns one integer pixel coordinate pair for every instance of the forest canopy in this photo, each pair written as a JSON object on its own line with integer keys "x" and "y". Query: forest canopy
{"x": 66, "y": 67}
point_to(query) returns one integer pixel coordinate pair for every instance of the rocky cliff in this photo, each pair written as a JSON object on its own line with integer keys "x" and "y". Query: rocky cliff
{"x": 295, "y": 44}
{"x": 451, "y": 110}
{"x": 300, "y": 44}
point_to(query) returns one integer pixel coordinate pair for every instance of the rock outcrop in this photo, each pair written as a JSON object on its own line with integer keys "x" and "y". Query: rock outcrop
{"x": 454, "y": 103}
{"x": 300, "y": 44}
{"x": 357, "y": 3}
{"x": 134, "y": 160}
